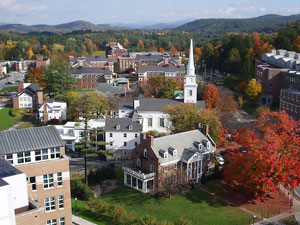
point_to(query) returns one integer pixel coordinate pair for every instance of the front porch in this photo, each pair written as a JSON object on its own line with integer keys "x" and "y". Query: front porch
{"x": 139, "y": 180}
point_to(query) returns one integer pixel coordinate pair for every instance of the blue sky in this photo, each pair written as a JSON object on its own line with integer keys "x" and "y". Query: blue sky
{"x": 130, "y": 11}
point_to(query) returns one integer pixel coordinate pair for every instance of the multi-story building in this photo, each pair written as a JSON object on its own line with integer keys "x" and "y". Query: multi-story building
{"x": 39, "y": 153}
{"x": 114, "y": 50}
{"x": 94, "y": 62}
{"x": 122, "y": 135}
{"x": 161, "y": 162}
{"x": 30, "y": 95}
{"x": 3, "y": 68}
{"x": 153, "y": 59}
{"x": 41, "y": 61}
{"x": 52, "y": 109}
{"x": 126, "y": 62}
{"x": 290, "y": 102}
{"x": 89, "y": 78}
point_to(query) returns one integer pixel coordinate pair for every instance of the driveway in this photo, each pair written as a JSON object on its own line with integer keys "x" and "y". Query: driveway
{"x": 14, "y": 77}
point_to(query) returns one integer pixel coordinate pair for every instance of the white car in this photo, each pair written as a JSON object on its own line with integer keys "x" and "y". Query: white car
{"x": 220, "y": 160}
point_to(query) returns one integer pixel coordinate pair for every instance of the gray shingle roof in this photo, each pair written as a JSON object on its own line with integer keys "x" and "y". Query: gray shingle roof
{"x": 162, "y": 69}
{"x": 124, "y": 123}
{"x": 91, "y": 70}
{"x": 28, "y": 139}
{"x": 109, "y": 89}
{"x": 92, "y": 59}
{"x": 183, "y": 142}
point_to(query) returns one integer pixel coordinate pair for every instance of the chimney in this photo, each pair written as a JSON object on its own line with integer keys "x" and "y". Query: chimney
{"x": 45, "y": 112}
{"x": 150, "y": 139}
{"x": 206, "y": 129}
{"x": 143, "y": 137}
{"x": 71, "y": 57}
{"x": 15, "y": 102}
{"x": 20, "y": 86}
{"x": 198, "y": 125}
{"x": 136, "y": 104}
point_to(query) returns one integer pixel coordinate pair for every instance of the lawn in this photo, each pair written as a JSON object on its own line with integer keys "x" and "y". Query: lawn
{"x": 195, "y": 206}
{"x": 10, "y": 89}
{"x": 25, "y": 125}
{"x": 98, "y": 53}
{"x": 6, "y": 121}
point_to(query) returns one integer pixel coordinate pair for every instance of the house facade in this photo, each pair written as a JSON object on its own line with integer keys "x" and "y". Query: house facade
{"x": 169, "y": 160}
{"x": 290, "y": 102}
{"x": 39, "y": 153}
{"x": 122, "y": 135}
{"x": 53, "y": 109}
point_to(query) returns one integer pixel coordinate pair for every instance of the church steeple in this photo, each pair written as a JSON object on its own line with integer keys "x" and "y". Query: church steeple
{"x": 190, "y": 83}
{"x": 191, "y": 68}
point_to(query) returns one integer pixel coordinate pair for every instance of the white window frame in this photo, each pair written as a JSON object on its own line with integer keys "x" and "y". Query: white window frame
{"x": 48, "y": 181}
{"x": 50, "y": 204}
{"x": 9, "y": 158}
{"x": 60, "y": 202}
{"x": 138, "y": 162}
{"x": 32, "y": 181}
{"x": 54, "y": 153}
{"x": 62, "y": 221}
{"x": 51, "y": 222}
{"x": 59, "y": 179}
{"x": 24, "y": 157}
{"x": 150, "y": 119}
{"x": 125, "y": 135}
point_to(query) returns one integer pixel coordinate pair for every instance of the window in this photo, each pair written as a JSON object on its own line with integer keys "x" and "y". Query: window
{"x": 138, "y": 162}
{"x": 118, "y": 127}
{"x": 125, "y": 143}
{"x": 59, "y": 179}
{"x": 51, "y": 222}
{"x": 50, "y": 204}
{"x": 130, "y": 127}
{"x": 62, "y": 221}
{"x": 9, "y": 158}
{"x": 110, "y": 135}
{"x": 165, "y": 155}
{"x": 54, "y": 153}
{"x": 149, "y": 122}
{"x": 24, "y": 157}
{"x": 162, "y": 122}
{"x": 151, "y": 168}
{"x": 45, "y": 154}
{"x": 38, "y": 155}
{"x": 166, "y": 169}
{"x": 208, "y": 156}
{"x": 32, "y": 181}
{"x": 175, "y": 165}
{"x": 135, "y": 144}
{"x": 124, "y": 152}
{"x": 125, "y": 135}
{"x": 190, "y": 93}
{"x": 145, "y": 153}
{"x": 48, "y": 180}
{"x": 60, "y": 201}
{"x": 175, "y": 177}
{"x": 135, "y": 135}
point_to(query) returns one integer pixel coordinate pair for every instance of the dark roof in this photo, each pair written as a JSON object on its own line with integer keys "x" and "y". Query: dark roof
{"x": 7, "y": 170}
{"x": 28, "y": 139}
{"x": 110, "y": 89}
{"x": 92, "y": 70}
{"x": 162, "y": 69}
{"x": 34, "y": 87}
{"x": 124, "y": 123}
{"x": 155, "y": 104}
{"x": 91, "y": 59}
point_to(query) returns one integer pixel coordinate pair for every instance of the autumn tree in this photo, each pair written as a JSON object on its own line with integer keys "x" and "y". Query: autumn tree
{"x": 210, "y": 96}
{"x": 72, "y": 99}
{"x": 272, "y": 157}
{"x": 30, "y": 53}
{"x": 253, "y": 90}
{"x": 242, "y": 86}
{"x": 296, "y": 44}
{"x": 35, "y": 75}
{"x": 160, "y": 87}
{"x": 211, "y": 118}
{"x": 140, "y": 44}
{"x": 162, "y": 50}
{"x": 226, "y": 102}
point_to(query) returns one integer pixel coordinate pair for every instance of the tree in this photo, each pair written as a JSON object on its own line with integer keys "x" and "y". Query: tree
{"x": 242, "y": 86}
{"x": 162, "y": 50}
{"x": 30, "y": 53}
{"x": 71, "y": 98}
{"x": 210, "y": 96}
{"x": 140, "y": 44}
{"x": 226, "y": 102}
{"x": 160, "y": 87}
{"x": 35, "y": 75}
{"x": 272, "y": 157}
{"x": 58, "y": 79}
{"x": 88, "y": 108}
{"x": 253, "y": 90}
{"x": 296, "y": 44}
{"x": 211, "y": 118}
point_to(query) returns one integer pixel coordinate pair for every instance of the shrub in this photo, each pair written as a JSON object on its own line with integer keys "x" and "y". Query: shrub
{"x": 15, "y": 112}
{"x": 38, "y": 122}
{"x": 53, "y": 121}
{"x": 100, "y": 175}
{"x": 80, "y": 190}
{"x": 260, "y": 109}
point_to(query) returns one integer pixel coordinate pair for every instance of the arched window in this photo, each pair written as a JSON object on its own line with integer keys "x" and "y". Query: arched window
{"x": 138, "y": 162}
{"x": 145, "y": 153}
{"x": 151, "y": 168}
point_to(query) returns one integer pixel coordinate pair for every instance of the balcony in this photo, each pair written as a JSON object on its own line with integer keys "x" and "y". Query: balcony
{"x": 138, "y": 173}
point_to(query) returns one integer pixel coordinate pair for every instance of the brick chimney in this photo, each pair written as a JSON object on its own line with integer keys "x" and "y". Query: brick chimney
{"x": 150, "y": 139}
{"x": 205, "y": 129}
{"x": 20, "y": 86}
{"x": 39, "y": 97}
{"x": 16, "y": 102}
{"x": 198, "y": 125}
{"x": 45, "y": 112}
{"x": 143, "y": 137}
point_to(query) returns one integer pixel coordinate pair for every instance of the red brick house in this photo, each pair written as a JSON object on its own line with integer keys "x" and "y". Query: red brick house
{"x": 162, "y": 161}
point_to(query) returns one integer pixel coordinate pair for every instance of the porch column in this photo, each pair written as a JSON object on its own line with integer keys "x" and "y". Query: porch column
{"x": 197, "y": 173}
{"x": 145, "y": 186}
{"x": 130, "y": 181}
{"x": 125, "y": 178}
{"x": 137, "y": 183}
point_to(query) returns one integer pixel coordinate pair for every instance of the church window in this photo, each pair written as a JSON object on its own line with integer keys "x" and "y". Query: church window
{"x": 190, "y": 93}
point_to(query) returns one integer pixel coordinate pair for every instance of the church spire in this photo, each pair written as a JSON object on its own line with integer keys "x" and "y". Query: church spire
{"x": 191, "y": 67}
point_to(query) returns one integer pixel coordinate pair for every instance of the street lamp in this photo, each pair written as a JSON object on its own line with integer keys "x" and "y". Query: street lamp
{"x": 254, "y": 217}
{"x": 75, "y": 205}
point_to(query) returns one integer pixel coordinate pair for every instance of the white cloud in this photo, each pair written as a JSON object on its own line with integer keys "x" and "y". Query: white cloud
{"x": 6, "y": 3}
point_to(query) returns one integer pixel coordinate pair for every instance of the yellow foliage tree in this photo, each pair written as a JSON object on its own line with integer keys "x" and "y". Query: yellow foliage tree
{"x": 140, "y": 44}
{"x": 197, "y": 53}
{"x": 253, "y": 90}
{"x": 30, "y": 53}
{"x": 58, "y": 47}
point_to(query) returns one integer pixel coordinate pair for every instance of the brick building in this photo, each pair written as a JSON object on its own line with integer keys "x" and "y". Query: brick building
{"x": 159, "y": 162}
{"x": 290, "y": 102}
{"x": 89, "y": 78}
{"x": 126, "y": 62}
{"x": 39, "y": 153}
{"x": 93, "y": 62}
{"x": 114, "y": 50}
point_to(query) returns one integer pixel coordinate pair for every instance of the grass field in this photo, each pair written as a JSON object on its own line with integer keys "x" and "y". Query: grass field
{"x": 10, "y": 89}
{"x": 98, "y": 53}
{"x": 6, "y": 120}
{"x": 196, "y": 206}
{"x": 25, "y": 125}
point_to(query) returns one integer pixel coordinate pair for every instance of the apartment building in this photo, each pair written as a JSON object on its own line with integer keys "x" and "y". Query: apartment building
{"x": 91, "y": 62}
{"x": 53, "y": 109}
{"x": 290, "y": 102}
{"x": 39, "y": 153}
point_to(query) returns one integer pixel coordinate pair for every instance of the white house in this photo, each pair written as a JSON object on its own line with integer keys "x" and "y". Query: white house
{"x": 122, "y": 136}
{"x": 53, "y": 109}
{"x": 149, "y": 111}
{"x": 72, "y": 132}
{"x": 30, "y": 95}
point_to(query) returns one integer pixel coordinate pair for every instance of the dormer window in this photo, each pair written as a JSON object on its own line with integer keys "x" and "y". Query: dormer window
{"x": 145, "y": 153}
{"x": 118, "y": 127}
{"x": 130, "y": 127}
{"x": 172, "y": 151}
{"x": 165, "y": 155}
{"x": 208, "y": 144}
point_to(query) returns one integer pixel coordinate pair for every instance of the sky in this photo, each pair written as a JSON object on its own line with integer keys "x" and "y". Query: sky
{"x": 133, "y": 11}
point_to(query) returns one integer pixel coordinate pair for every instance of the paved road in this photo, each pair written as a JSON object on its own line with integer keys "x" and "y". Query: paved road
{"x": 14, "y": 77}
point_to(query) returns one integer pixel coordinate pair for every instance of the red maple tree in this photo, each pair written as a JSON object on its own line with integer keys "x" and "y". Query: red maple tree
{"x": 210, "y": 96}
{"x": 272, "y": 158}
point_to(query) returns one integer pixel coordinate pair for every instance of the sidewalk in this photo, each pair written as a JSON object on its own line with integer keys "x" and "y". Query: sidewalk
{"x": 79, "y": 221}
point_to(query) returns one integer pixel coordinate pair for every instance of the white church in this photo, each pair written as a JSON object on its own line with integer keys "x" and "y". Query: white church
{"x": 148, "y": 111}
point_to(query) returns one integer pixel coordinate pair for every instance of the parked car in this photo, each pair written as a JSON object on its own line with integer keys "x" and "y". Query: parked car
{"x": 242, "y": 150}
{"x": 220, "y": 160}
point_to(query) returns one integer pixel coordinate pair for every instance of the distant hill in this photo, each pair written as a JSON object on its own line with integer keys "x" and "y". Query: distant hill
{"x": 76, "y": 25}
{"x": 268, "y": 23}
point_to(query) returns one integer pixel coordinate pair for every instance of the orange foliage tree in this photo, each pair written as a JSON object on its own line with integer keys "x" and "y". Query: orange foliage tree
{"x": 242, "y": 86}
{"x": 226, "y": 102}
{"x": 210, "y": 96}
{"x": 272, "y": 157}
{"x": 35, "y": 75}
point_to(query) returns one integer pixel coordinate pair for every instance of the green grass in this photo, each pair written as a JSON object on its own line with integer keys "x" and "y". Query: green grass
{"x": 98, "y": 53}
{"x": 25, "y": 125}
{"x": 6, "y": 121}
{"x": 291, "y": 220}
{"x": 195, "y": 206}
{"x": 10, "y": 89}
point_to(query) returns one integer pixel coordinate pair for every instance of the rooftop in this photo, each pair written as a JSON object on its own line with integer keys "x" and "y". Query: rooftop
{"x": 91, "y": 70}
{"x": 108, "y": 89}
{"x": 125, "y": 125}
{"x": 163, "y": 69}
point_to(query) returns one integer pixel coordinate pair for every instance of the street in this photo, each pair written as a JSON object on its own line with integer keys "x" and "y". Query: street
{"x": 14, "y": 77}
